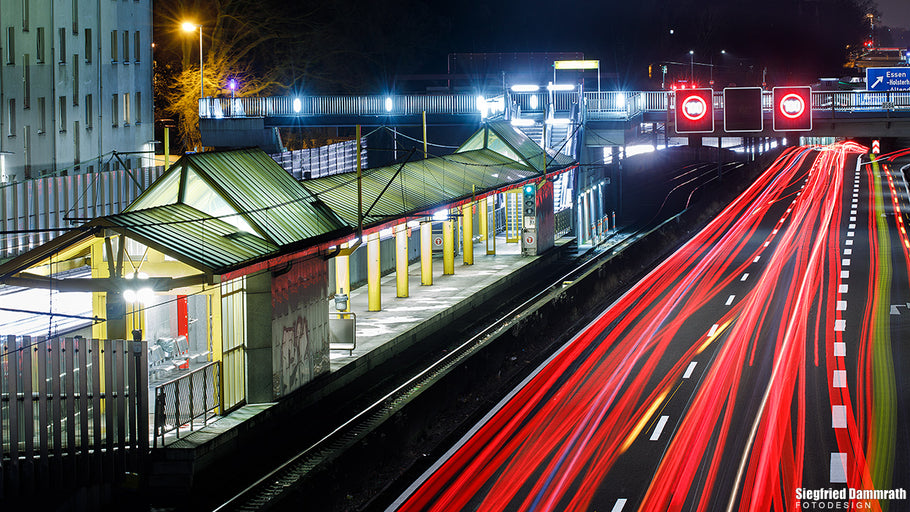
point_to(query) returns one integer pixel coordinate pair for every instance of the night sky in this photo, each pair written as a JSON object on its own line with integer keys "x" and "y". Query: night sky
{"x": 346, "y": 45}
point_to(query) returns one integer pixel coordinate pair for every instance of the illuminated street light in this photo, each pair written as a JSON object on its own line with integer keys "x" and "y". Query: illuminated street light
{"x": 191, "y": 27}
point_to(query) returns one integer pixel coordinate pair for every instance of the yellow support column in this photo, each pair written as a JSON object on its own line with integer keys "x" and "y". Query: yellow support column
{"x": 426, "y": 253}
{"x": 401, "y": 259}
{"x": 482, "y": 218}
{"x": 373, "y": 273}
{"x": 467, "y": 233}
{"x": 343, "y": 276}
{"x": 448, "y": 248}
{"x": 491, "y": 226}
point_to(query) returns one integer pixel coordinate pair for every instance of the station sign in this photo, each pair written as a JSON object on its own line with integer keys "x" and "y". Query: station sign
{"x": 694, "y": 111}
{"x": 742, "y": 109}
{"x": 792, "y": 109}
{"x": 888, "y": 79}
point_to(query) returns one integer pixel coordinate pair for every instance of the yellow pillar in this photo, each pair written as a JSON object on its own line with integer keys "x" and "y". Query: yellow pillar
{"x": 343, "y": 276}
{"x": 448, "y": 248}
{"x": 482, "y": 218}
{"x": 491, "y": 225}
{"x": 373, "y": 273}
{"x": 426, "y": 253}
{"x": 401, "y": 259}
{"x": 467, "y": 233}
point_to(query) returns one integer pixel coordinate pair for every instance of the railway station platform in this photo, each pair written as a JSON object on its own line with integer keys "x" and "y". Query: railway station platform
{"x": 382, "y": 336}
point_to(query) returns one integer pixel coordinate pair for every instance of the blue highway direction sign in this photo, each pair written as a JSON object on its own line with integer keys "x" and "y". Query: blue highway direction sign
{"x": 888, "y": 79}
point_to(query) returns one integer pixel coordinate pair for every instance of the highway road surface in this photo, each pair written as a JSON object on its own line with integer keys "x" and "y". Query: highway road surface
{"x": 763, "y": 366}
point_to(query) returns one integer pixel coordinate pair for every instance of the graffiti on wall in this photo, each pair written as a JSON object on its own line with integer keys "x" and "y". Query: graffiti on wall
{"x": 299, "y": 325}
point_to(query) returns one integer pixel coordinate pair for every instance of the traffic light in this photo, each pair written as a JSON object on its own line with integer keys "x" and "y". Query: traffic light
{"x": 529, "y": 201}
{"x": 792, "y": 109}
{"x": 694, "y": 111}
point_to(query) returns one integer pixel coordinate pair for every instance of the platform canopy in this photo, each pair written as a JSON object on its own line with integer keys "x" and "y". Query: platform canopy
{"x": 497, "y": 156}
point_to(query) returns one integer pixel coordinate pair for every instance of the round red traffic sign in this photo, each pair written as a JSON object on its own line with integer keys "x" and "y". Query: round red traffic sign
{"x": 694, "y": 107}
{"x": 792, "y": 106}
{"x": 437, "y": 241}
{"x": 529, "y": 239}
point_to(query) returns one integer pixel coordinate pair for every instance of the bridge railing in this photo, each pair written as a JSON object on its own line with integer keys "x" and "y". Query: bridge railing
{"x": 217, "y": 108}
{"x": 597, "y": 104}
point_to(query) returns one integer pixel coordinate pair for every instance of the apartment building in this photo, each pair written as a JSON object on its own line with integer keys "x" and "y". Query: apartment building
{"x": 75, "y": 85}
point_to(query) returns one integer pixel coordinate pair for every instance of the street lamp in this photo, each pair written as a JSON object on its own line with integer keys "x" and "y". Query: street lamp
{"x": 191, "y": 27}
{"x": 692, "y": 67}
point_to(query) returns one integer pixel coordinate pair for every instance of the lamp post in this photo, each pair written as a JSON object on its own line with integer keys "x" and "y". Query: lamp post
{"x": 692, "y": 67}
{"x": 191, "y": 27}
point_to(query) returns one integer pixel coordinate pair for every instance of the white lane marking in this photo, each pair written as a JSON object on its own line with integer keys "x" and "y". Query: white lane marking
{"x": 848, "y": 252}
{"x": 849, "y": 242}
{"x": 838, "y": 416}
{"x": 852, "y": 212}
{"x": 730, "y": 300}
{"x": 838, "y": 472}
{"x": 845, "y": 262}
{"x": 850, "y": 233}
{"x": 744, "y": 277}
{"x": 844, "y": 274}
{"x": 659, "y": 428}
{"x": 855, "y": 200}
{"x": 840, "y": 325}
{"x": 851, "y": 226}
{"x": 842, "y": 288}
{"x": 690, "y": 369}
{"x": 756, "y": 259}
{"x": 839, "y": 378}
{"x": 852, "y": 219}
{"x": 841, "y": 305}
{"x": 713, "y": 330}
{"x": 620, "y": 503}
{"x": 856, "y": 194}
{"x": 774, "y": 232}
{"x": 766, "y": 244}
{"x": 840, "y": 349}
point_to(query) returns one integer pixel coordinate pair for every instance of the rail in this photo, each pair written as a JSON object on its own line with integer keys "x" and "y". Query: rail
{"x": 180, "y": 402}
{"x": 598, "y": 104}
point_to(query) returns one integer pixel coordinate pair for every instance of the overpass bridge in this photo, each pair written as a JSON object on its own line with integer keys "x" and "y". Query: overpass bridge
{"x": 608, "y": 118}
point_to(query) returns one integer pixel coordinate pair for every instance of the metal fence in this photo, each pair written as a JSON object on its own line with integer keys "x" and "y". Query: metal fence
{"x": 180, "y": 402}
{"x": 73, "y": 413}
{"x": 322, "y": 161}
{"x": 33, "y": 212}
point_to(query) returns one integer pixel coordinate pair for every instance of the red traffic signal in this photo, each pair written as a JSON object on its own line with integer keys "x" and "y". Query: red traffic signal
{"x": 694, "y": 111}
{"x": 792, "y": 109}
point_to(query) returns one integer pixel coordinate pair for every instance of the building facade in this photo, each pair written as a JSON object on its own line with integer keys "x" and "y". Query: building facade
{"x": 75, "y": 86}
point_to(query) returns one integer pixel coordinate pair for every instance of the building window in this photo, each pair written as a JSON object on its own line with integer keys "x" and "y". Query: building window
{"x": 25, "y": 10}
{"x": 138, "y": 107}
{"x": 62, "y": 114}
{"x": 26, "y": 81}
{"x": 10, "y": 45}
{"x": 88, "y": 46}
{"x": 88, "y": 112}
{"x": 113, "y": 46}
{"x": 39, "y": 54}
{"x": 75, "y": 17}
{"x": 76, "y": 153}
{"x": 11, "y": 118}
{"x": 75, "y": 80}
{"x": 126, "y": 109}
{"x": 137, "y": 50}
{"x": 115, "y": 102}
{"x": 61, "y": 32}
{"x": 126, "y": 46}
{"x": 42, "y": 116}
